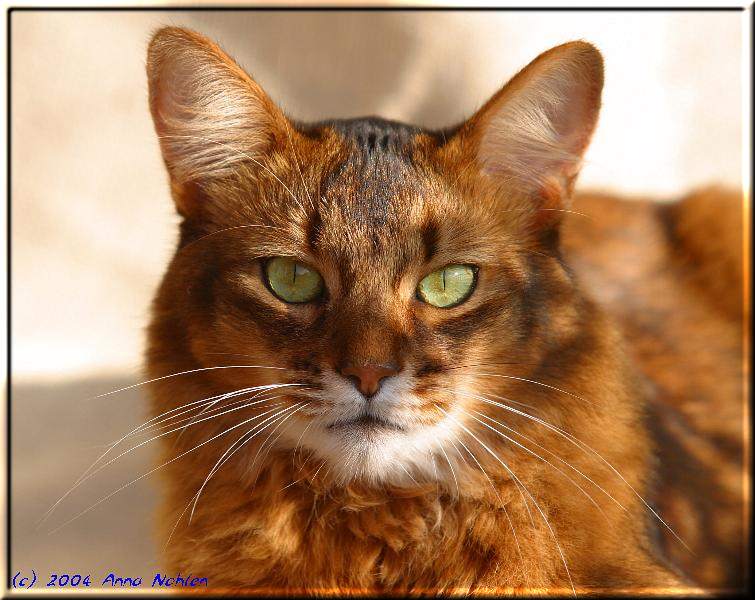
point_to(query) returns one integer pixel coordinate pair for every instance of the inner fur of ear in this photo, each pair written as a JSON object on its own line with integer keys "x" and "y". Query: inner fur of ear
{"x": 209, "y": 114}
{"x": 536, "y": 129}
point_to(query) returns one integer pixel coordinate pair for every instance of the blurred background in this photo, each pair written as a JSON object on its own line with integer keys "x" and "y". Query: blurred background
{"x": 93, "y": 224}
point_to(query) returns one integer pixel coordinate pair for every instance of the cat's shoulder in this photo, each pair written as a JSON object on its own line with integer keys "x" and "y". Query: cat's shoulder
{"x": 697, "y": 238}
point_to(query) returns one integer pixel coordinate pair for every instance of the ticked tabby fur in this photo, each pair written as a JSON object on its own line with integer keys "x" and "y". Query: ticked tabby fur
{"x": 574, "y": 424}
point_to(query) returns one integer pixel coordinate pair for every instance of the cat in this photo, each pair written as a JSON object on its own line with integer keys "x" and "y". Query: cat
{"x": 401, "y": 361}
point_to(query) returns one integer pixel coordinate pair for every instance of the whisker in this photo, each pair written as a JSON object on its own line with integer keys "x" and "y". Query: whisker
{"x": 503, "y": 505}
{"x": 184, "y": 408}
{"x": 458, "y": 452}
{"x": 555, "y": 456}
{"x": 252, "y": 225}
{"x": 403, "y": 468}
{"x": 210, "y": 402}
{"x": 262, "y": 389}
{"x": 130, "y": 387}
{"x": 448, "y": 460}
{"x": 306, "y": 460}
{"x": 214, "y": 412}
{"x": 436, "y": 479}
{"x": 523, "y": 487}
{"x": 325, "y": 475}
{"x": 293, "y": 454}
{"x": 503, "y": 435}
{"x": 165, "y": 464}
{"x": 254, "y": 460}
{"x": 573, "y": 212}
{"x": 586, "y": 448}
{"x": 532, "y": 408}
{"x": 537, "y": 383}
{"x": 298, "y": 168}
{"x": 195, "y": 496}
{"x": 318, "y": 470}
{"x": 112, "y": 446}
{"x": 226, "y": 146}
{"x": 288, "y": 485}
{"x": 466, "y": 366}
{"x": 221, "y": 462}
{"x": 524, "y": 500}
{"x": 112, "y": 460}
{"x": 484, "y": 399}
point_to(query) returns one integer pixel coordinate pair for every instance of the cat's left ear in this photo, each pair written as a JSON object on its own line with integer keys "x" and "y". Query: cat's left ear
{"x": 209, "y": 114}
{"x": 532, "y": 134}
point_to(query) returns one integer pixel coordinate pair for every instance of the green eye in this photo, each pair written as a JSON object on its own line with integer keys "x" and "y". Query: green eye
{"x": 448, "y": 286}
{"x": 292, "y": 281}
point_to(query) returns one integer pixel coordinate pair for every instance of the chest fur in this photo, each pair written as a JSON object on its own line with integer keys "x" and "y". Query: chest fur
{"x": 299, "y": 539}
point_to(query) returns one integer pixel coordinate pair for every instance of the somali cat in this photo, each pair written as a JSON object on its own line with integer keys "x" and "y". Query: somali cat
{"x": 386, "y": 346}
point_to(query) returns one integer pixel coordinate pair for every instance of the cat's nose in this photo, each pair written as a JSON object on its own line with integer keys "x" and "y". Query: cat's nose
{"x": 367, "y": 378}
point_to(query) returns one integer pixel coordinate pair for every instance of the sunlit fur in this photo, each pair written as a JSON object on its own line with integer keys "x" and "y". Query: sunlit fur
{"x": 513, "y": 453}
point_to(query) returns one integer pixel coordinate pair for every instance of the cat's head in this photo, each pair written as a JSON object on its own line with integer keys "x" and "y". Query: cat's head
{"x": 383, "y": 271}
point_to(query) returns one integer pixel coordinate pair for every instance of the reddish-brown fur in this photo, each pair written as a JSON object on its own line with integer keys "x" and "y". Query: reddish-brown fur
{"x": 629, "y": 321}
{"x": 671, "y": 275}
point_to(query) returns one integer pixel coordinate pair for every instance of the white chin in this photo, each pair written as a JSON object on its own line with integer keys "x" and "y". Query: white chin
{"x": 370, "y": 453}
{"x": 378, "y": 454}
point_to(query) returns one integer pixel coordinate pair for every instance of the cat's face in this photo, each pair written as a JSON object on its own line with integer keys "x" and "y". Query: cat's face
{"x": 338, "y": 280}
{"x": 374, "y": 271}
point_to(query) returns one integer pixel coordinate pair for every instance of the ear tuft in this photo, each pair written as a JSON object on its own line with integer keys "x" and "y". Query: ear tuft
{"x": 534, "y": 131}
{"x": 208, "y": 113}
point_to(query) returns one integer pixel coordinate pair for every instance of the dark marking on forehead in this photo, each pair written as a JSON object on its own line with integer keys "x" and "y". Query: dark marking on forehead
{"x": 373, "y": 136}
{"x": 430, "y": 238}
{"x": 380, "y": 171}
{"x": 314, "y": 229}
{"x": 377, "y": 170}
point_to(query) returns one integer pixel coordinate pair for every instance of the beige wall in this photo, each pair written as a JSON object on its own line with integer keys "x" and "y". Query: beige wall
{"x": 93, "y": 225}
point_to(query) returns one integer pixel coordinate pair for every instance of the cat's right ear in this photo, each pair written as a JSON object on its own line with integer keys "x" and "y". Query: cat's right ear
{"x": 210, "y": 116}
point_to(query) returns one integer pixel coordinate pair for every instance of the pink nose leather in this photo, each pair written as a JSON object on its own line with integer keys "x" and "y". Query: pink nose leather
{"x": 367, "y": 378}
